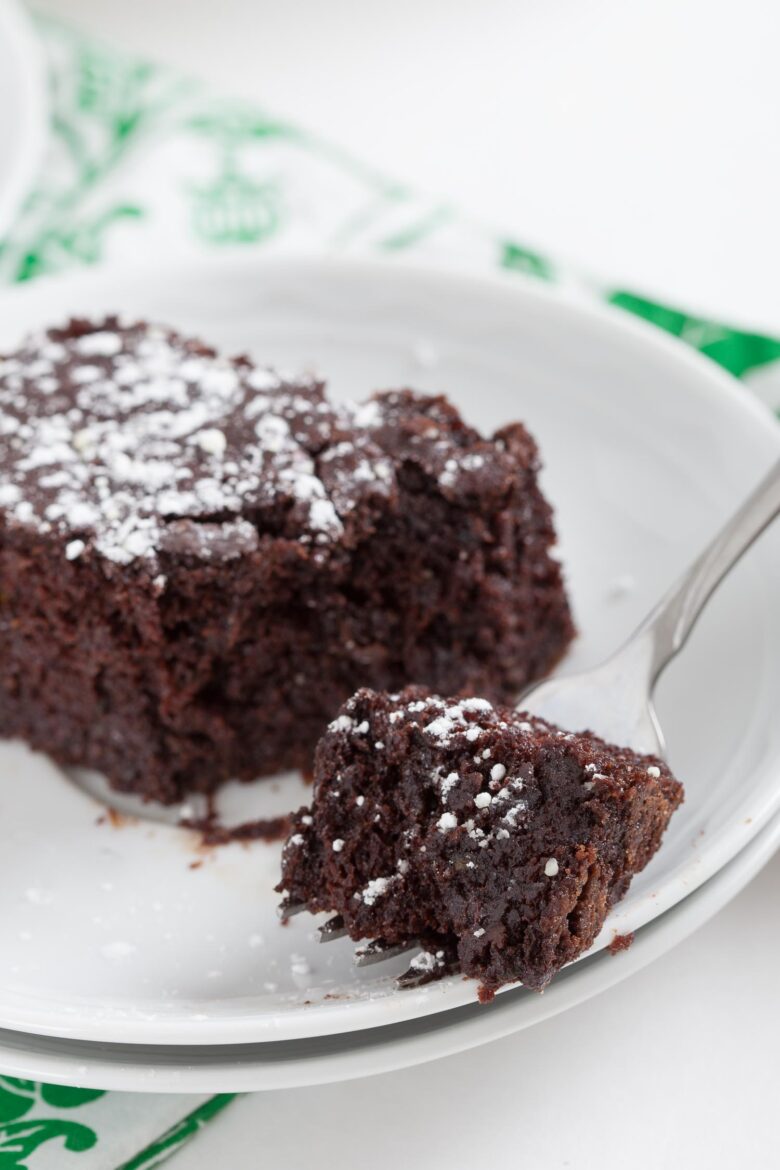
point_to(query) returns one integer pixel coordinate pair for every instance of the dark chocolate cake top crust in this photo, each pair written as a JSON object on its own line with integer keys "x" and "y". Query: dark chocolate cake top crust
{"x": 129, "y": 439}
{"x": 201, "y": 560}
{"x": 476, "y": 828}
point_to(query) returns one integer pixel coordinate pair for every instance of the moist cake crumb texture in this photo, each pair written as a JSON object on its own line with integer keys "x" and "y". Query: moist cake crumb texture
{"x": 200, "y": 560}
{"x": 477, "y": 830}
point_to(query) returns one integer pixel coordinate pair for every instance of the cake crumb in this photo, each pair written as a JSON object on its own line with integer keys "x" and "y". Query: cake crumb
{"x": 621, "y": 942}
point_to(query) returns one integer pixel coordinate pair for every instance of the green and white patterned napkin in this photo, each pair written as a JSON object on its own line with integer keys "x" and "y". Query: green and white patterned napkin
{"x": 51, "y": 1127}
{"x": 143, "y": 160}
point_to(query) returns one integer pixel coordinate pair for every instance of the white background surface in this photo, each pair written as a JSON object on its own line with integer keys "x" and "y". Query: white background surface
{"x": 639, "y": 140}
{"x": 674, "y": 1069}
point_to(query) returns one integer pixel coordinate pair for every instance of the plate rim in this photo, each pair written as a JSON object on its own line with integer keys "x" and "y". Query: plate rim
{"x": 603, "y": 314}
{"x": 353, "y": 1015}
{"x": 341, "y": 1057}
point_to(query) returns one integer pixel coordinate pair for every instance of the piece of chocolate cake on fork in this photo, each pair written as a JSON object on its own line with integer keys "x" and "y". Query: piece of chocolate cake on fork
{"x": 491, "y": 838}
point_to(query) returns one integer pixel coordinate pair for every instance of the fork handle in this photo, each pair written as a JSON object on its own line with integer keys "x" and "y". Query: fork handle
{"x": 670, "y": 623}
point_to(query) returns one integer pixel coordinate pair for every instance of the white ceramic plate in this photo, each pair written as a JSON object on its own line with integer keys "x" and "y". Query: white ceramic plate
{"x": 22, "y": 109}
{"x": 109, "y": 934}
{"x": 243, "y": 1068}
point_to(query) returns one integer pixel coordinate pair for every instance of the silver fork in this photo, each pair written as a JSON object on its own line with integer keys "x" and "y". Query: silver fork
{"x": 615, "y": 699}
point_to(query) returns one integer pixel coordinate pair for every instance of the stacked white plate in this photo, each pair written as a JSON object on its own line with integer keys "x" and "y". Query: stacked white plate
{"x": 124, "y": 966}
{"x": 22, "y": 109}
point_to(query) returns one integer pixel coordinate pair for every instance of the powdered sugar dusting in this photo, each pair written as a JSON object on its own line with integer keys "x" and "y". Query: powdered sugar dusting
{"x": 113, "y": 433}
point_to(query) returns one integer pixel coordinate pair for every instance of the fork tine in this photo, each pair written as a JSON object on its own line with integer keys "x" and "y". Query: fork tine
{"x": 332, "y": 929}
{"x": 427, "y": 968}
{"x": 377, "y": 950}
{"x": 288, "y": 908}
{"x": 412, "y": 978}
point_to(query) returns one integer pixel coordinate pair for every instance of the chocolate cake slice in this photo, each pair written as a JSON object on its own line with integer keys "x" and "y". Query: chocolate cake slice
{"x": 482, "y": 832}
{"x": 200, "y": 560}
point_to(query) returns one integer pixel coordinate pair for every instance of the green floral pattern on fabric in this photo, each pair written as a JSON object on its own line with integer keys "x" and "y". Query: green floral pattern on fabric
{"x": 518, "y": 259}
{"x": 736, "y": 351}
{"x": 233, "y": 207}
{"x": 101, "y": 107}
{"x": 137, "y": 149}
{"x": 23, "y": 1135}
{"x": 178, "y": 1135}
{"x": 19, "y": 1139}
{"x": 17, "y": 1097}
